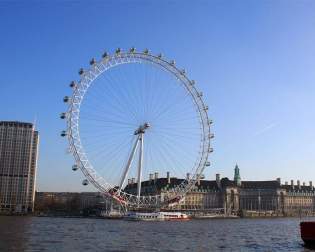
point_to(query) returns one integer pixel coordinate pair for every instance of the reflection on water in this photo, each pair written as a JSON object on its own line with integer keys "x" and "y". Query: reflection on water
{"x": 67, "y": 234}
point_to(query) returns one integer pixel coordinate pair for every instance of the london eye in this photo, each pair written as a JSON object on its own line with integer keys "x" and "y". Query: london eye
{"x": 133, "y": 114}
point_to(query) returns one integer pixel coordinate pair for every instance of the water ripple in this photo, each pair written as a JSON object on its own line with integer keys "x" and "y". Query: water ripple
{"x": 32, "y": 234}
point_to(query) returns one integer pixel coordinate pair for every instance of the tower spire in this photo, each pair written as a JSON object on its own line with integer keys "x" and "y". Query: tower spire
{"x": 237, "y": 177}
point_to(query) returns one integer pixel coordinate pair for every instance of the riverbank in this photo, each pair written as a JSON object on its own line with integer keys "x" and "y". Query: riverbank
{"x": 211, "y": 217}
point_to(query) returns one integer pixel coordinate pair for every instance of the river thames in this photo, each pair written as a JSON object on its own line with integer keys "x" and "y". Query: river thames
{"x": 80, "y": 234}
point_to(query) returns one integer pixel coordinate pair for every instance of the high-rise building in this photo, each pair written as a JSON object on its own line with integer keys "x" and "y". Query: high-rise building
{"x": 18, "y": 164}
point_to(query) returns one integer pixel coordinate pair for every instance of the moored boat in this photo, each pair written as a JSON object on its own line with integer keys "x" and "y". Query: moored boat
{"x": 215, "y": 216}
{"x": 308, "y": 232}
{"x": 113, "y": 214}
{"x": 156, "y": 216}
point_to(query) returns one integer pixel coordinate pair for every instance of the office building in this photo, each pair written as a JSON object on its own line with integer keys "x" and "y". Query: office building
{"x": 18, "y": 164}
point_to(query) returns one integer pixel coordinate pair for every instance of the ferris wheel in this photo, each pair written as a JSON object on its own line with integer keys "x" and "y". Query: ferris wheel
{"x": 134, "y": 114}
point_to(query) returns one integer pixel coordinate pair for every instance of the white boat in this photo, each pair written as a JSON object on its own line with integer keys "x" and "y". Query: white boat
{"x": 156, "y": 216}
{"x": 111, "y": 215}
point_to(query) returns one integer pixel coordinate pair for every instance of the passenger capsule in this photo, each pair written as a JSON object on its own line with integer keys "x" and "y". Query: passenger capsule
{"x": 63, "y": 133}
{"x": 72, "y": 84}
{"x": 210, "y": 149}
{"x": 183, "y": 71}
{"x": 192, "y": 82}
{"x": 172, "y": 62}
{"x": 75, "y": 167}
{"x": 81, "y": 71}
{"x": 202, "y": 176}
{"x": 210, "y": 122}
{"x": 160, "y": 56}
{"x": 85, "y": 182}
{"x": 200, "y": 94}
{"x": 211, "y": 135}
{"x": 92, "y": 62}
{"x": 207, "y": 163}
{"x": 146, "y": 51}
{"x": 63, "y": 115}
{"x": 132, "y": 50}
{"x": 105, "y": 55}
{"x": 66, "y": 99}
{"x": 206, "y": 108}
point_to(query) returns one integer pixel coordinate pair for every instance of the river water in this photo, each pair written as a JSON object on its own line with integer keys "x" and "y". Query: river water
{"x": 71, "y": 234}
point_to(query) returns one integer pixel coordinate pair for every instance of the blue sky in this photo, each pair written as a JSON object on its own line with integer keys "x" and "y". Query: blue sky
{"x": 253, "y": 60}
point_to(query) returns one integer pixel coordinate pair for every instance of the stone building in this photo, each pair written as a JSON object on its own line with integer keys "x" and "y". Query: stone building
{"x": 298, "y": 199}
{"x": 18, "y": 164}
{"x": 246, "y": 198}
{"x": 67, "y": 201}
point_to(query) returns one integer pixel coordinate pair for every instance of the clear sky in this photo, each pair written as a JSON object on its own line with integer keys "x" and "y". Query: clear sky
{"x": 253, "y": 60}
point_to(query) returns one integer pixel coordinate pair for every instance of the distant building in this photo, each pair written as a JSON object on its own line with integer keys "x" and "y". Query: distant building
{"x": 245, "y": 198}
{"x": 68, "y": 202}
{"x": 18, "y": 164}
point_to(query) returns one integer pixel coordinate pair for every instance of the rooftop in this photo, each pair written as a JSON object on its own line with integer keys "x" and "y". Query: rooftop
{"x": 16, "y": 124}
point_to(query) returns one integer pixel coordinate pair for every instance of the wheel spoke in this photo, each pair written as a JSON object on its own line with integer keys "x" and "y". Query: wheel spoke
{"x": 133, "y": 114}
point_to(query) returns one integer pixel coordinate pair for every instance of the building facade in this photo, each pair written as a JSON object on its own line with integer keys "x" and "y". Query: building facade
{"x": 68, "y": 203}
{"x": 236, "y": 197}
{"x": 18, "y": 164}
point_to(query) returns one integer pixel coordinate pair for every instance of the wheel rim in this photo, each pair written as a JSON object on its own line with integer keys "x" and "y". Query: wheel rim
{"x": 77, "y": 148}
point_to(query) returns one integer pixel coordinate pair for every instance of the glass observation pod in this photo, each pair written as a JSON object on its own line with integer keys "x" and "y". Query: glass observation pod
{"x": 207, "y": 163}
{"x": 81, "y": 71}
{"x": 92, "y": 62}
{"x": 72, "y": 84}
{"x": 63, "y": 115}
{"x": 105, "y": 55}
{"x": 66, "y": 99}
{"x": 75, "y": 167}
{"x": 63, "y": 133}
{"x": 85, "y": 182}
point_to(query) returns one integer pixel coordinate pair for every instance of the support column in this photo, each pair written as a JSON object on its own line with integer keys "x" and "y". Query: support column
{"x": 140, "y": 164}
{"x": 123, "y": 178}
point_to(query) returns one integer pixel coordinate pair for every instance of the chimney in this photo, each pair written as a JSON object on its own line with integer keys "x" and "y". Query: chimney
{"x": 188, "y": 176}
{"x": 311, "y": 184}
{"x": 151, "y": 177}
{"x": 292, "y": 183}
{"x": 303, "y": 184}
{"x": 129, "y": 181}
{"x": 218, "y": 180}
{"x": 156, "y": 175}
{"x": 298, "y": 184}
{"x": 198, "y": 181}
{"x": 279, "y": 180}
{"x": 168, "y": 177}
{"x": 133, "y": 180}
{"x": 286, "y": 183}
